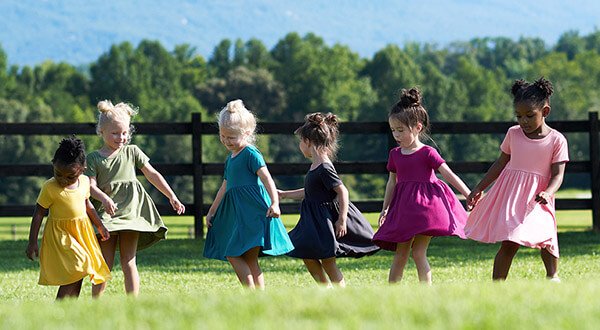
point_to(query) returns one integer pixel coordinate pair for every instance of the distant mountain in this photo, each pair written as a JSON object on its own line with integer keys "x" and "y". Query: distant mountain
{"x": 78, "y": 32}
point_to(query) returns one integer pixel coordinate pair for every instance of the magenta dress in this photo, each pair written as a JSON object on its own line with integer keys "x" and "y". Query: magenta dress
{"x": 421, "y": 203}
{"x": 508, "y": 211}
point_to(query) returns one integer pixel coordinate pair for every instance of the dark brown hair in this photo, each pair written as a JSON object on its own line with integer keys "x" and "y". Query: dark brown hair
{"x": 322, "y": 131}
{"x": 409, "y": 109}
{"x": 536, "y": 94}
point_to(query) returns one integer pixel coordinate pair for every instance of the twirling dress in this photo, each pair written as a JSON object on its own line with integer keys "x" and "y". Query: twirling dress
{"x": 421, "y": 203}
{"x": 136, "y": 211}
{"x": 314, "y": 235}
{"x": 509, "y": 212}
{"x": 70, "y": 250}
{"x": 240, "y": 222}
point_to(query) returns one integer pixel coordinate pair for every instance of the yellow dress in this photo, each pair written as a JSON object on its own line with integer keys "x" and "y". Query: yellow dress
{"x": 70, "y": 249}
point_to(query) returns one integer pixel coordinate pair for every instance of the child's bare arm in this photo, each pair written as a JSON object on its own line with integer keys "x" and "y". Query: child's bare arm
{"x": 454, "y": 180}
{"x": 491, "y": 175}
{"x": 97, "y": 194}
{"x": 344, "y": 201}
{"x": 267, "y": 180}
{"x": 36, "y": 222}
{"x": 158, "y": 181}
{"x": 95, "y": 218}
{"x": 215, "y": 203}
{"x": 387, "y": 197}
{"x": 291, "y": 194}
{"x": 556, "y": 179}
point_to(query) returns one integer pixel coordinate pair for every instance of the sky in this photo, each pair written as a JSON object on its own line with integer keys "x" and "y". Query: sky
{"x": 78, "y": 32}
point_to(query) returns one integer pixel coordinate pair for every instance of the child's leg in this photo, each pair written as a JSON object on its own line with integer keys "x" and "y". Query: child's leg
{"x": 243, "y": 270}
{"x": 316, "y": 270}
{"x": 70, "y": 290}
{"x": 251, "y": 257}
{"x": 551, "y": 264}
{"x": 399, "y": 262}
{"x": 127, "y": 250}
{"x": 419, "y": 254}
{"x": 334, "y": 273}
{"x": 108, "y": 249}
{"x": 504, "y": 259}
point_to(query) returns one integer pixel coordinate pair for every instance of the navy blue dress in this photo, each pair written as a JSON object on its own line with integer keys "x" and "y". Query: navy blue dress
{"x": 314, "y": 235}
{"x": 240, "y": 222}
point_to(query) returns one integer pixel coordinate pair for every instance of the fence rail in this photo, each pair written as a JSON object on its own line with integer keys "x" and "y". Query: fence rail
{"x": 198, "y": 169}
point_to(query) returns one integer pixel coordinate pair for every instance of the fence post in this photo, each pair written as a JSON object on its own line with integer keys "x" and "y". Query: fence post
{"x": 197, "y": 168}
{"x": 595, "y": 170}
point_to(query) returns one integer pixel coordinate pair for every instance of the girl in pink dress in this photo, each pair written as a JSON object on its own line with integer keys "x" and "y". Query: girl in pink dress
{"x": 519, "y": 208}
{"x": 417, "y": 205}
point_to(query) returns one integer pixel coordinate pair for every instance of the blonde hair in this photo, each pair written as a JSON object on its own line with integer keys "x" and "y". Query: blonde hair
{"x": 109, "y": 113}
{"x": 235, "y": 116}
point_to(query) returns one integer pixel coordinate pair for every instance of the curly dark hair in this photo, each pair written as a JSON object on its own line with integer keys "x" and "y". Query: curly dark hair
{"x": 71, "y": 150}
{"x": 536, "y": 94}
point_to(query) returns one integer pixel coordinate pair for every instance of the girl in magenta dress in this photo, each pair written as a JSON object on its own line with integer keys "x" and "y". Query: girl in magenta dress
{"x": 519, "y": 208}
{"x": 417, "y": 205}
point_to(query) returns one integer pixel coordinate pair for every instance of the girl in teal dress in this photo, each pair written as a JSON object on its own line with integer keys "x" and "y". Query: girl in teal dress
{"x": 243, "y": 220}
{"x": 123, "y": 204}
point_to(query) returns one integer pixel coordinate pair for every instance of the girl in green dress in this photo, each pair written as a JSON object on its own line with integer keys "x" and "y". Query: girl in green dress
{"x": 123, "y": 204}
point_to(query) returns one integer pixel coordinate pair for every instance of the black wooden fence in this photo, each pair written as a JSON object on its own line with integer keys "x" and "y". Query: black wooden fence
{"x": 198, "y": 169}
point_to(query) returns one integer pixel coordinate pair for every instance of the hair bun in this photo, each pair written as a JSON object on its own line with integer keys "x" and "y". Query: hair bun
{"x": 410, "y": 97}
{"x": 331, "y": 119}
{"x": 316, "y": 118}
{"x": 105, "y": 106}
{"x": 235, "y": 106}
{"x": 544, "y": 85}
{"x": 518, "y": 85}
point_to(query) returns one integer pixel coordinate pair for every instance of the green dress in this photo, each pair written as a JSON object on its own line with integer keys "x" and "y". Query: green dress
{"x": 136, "y": 211}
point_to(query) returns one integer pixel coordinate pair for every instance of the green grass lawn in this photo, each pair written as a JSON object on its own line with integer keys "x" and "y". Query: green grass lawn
{"x": 180, "y": 289}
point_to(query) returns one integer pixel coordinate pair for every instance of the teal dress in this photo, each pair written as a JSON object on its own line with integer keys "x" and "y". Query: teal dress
{"x": 240, "y": 222}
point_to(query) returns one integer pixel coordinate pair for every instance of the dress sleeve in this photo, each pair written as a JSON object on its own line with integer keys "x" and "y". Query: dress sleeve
{"x": 329, "y": 176}
{"x": 391, "y": 166}
{"x": 255, "y": 160}
{"x": 139, "y": 157}
{"x": 505, "y": 146}
{"x": 435, "y": 160}
{"x": 561, "y": 150}
{"x": 45, "y": 197}
{"x": 90, "y": 169}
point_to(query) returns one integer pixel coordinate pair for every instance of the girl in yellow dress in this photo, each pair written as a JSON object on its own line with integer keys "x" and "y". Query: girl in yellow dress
{"x": 70, "y": 250}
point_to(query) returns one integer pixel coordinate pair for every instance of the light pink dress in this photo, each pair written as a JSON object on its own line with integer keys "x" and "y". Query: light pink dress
{"x": 508, "y": 211}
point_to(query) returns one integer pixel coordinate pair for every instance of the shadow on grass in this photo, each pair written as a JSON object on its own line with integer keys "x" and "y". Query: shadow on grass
{"x": 185, "y": 255}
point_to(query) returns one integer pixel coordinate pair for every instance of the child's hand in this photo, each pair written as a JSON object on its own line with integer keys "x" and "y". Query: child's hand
{"x": 543, "y": 197}
{"x": 473, "y": 198}
{"x": 177, "y": 205}
{"x": 281, "y": 194}
{"x": 273, "y": 211}
{"x": 340, "y": 228}
{"x": 382, "y": 217}
{"x": 209, "y": 218}
{"x": 109, "y": 206}
{"x": 104, "y": 233}
{"x": 32, "y": 251}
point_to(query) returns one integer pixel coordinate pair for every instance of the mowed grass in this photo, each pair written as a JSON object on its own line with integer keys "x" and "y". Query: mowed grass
{"x": 182, "y": 290}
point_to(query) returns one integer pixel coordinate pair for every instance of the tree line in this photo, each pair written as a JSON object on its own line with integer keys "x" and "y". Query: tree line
{"x": 462, "y": 81}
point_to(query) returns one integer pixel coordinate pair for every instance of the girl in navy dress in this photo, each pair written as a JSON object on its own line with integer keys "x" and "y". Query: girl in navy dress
{"x": 329, "y": 226}
{"x": 243, "y": 220}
